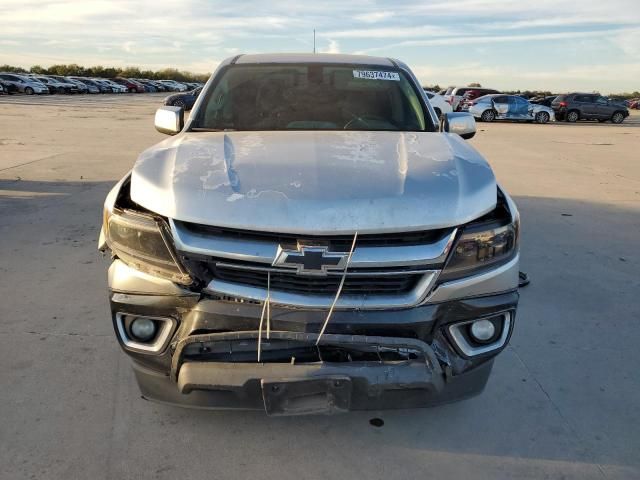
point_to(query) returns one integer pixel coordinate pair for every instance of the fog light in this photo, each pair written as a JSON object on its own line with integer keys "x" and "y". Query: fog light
{"x": 143, "y": 329}
{"x": 483, "y": 330}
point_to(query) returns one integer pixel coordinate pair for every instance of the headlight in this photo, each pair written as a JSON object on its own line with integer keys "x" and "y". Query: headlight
{"x": 143, "y": 242}
{"x": 481, "y": 248}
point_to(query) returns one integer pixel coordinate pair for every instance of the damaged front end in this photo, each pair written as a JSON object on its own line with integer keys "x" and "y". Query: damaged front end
{"x": 212, "y": 319}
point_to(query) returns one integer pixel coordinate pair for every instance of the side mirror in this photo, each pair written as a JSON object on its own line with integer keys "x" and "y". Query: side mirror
{"x": 461, "y": 123}
{"x": 169, "y": 120}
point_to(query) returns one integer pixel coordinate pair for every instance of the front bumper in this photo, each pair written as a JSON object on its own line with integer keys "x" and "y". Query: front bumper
{"x": 198, "y": 366}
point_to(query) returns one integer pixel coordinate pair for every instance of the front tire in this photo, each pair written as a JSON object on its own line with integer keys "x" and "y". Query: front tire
{"x": 617, "y": 117}
{"x": 28, "y": 91}
{"x": 542, "y": 117}
{"x": 573, "y": 116}
{"x": 488, "y": 116}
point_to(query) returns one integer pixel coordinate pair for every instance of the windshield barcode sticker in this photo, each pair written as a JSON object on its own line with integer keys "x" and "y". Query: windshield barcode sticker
{"x": 376, "y": 75}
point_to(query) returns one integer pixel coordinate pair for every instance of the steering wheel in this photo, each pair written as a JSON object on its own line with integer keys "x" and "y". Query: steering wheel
{"x": 363, "y": 119}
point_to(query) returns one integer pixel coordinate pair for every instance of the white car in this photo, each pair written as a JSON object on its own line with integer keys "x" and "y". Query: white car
{"x": 509, "y": 107}
{"x": 439, "y": 104}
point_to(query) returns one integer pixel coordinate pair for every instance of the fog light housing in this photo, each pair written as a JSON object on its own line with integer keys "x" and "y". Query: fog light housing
{"x": 482, "y": 335}
{"x": 482, "y": 330}
{"x": 143, "y": 329}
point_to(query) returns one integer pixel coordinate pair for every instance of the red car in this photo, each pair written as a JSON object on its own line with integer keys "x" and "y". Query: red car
{"x": 134, "y": 87}
{"x": 469, "y": 96}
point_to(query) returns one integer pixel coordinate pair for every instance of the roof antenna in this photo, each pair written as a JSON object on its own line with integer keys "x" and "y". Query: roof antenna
{"x": 314, "y": 40}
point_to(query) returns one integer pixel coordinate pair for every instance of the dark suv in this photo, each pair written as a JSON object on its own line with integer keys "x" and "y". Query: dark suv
{"x": 588, "y": 106}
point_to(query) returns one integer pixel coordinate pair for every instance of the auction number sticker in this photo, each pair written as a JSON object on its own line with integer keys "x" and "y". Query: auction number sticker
{"x": 376, "y": 75}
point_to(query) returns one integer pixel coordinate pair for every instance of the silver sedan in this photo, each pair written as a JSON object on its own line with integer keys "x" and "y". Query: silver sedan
{"x": 509, "y": 107}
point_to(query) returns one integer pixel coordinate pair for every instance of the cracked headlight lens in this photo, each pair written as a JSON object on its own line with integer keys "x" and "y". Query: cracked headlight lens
{"x": 481, "y": 248}
{"x": 144, "y": 242}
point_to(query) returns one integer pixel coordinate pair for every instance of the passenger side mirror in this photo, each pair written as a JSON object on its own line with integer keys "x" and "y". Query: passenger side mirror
{"x": 459, "y": 122}
{"x": 169, "y": 120}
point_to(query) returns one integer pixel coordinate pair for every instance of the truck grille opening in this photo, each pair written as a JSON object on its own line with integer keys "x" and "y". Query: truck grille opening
{"x": 338, "y": 243}
{"x": 296, "y": 352}
{"x": 291, "y": 282}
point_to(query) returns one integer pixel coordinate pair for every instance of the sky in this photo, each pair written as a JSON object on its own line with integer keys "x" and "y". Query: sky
{"x": 556, "y": 45}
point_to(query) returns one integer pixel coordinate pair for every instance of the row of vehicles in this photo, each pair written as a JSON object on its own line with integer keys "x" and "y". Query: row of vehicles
{"x": 36, "y": 84}
{"x": 489, "y": 105}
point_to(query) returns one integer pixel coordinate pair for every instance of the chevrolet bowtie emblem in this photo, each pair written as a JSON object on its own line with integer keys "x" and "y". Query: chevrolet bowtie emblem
{"x": 310, "y": 260}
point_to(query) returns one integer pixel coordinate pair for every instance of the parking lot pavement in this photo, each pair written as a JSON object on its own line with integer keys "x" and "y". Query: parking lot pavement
{"x": 563, "y": 402}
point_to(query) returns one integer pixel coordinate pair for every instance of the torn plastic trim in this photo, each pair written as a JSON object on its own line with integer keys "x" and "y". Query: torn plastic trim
{"x": 431, "y": 360}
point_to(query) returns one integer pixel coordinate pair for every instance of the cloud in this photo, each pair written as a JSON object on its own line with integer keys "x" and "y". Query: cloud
{"x": 393, "y": 32}
{"x": 629, "y": 42}
{"x": 333, "y": 47}
{"x": 374, "y": 17}
{"x": 484, "y": 39}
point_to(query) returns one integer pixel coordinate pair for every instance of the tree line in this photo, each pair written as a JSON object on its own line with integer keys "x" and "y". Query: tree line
{"x": 73, "y": 69}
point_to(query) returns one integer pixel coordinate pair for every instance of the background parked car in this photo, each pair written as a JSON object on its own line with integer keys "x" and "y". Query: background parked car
{"x": 131, "y": 86}
{"x": 24, "y": 84}
{"x": 454, "y": 95}
{"x": 184, "y": 100}
{"x": 82, "y": 88}
{"x": 115, "y": 87}
{"x": 148, "y": 86}
{"x": 438, "y": 103}
{"x": 160, "y": 87}
{"x": 546, "y": 101}
{"x": 94, "y": 87}
{"x": 174, "y": 86}
{"x": 8, "y": 88}
{"x": 56, "y": 86}
{"x": 509, "y": 107}
{"x": 470, "y": 95}
{"x": 588, "y": 106}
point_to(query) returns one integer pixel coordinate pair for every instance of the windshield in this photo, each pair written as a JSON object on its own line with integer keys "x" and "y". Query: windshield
{"x": 311, "y": 97}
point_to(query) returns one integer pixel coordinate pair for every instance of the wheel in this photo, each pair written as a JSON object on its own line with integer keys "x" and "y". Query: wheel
{"x": 573, "y": 116}
{"x": 28, "y": 91}
{"x": 488, "y": 116}
{"x": 617, "y": 117}
{"x": 542, "y": 117}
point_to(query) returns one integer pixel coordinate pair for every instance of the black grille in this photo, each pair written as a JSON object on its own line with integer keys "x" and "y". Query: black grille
{"x": 307, "y": 284}
{"x": 288, "y": 351}
{"x": 337, "y": 243}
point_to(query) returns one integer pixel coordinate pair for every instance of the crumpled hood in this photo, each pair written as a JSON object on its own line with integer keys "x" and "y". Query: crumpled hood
{"x": 315, "y": 182}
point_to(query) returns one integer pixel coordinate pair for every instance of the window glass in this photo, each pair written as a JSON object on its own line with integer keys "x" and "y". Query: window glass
{"x": 500, "y": 99}
{"x": 311, "y": 97}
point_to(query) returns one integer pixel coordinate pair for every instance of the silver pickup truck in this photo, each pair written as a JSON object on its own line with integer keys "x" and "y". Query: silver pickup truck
{"x": 311, "y": 240}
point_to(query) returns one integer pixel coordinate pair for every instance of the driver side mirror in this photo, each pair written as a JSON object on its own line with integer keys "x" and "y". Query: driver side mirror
{"x": 169, "y": 120}
{"x": 461, "y": 123}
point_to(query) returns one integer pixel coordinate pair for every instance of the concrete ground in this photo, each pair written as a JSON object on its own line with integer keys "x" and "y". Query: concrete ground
{"x": 563, "y": 401}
